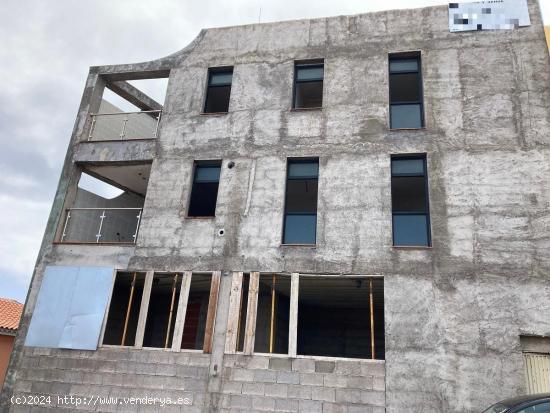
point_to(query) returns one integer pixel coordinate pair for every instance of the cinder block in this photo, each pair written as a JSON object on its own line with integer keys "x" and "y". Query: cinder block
{"x": 22, "y": 386}
{"x": 276, "y": 390}
{"x": 240, "y": 402}
{"x": 232, "y": 387}
{"x": 379, "y": 383}
{"x": 358, "y": 382}
{"x": 243, "y": 375}
{"x": 310, "y": 406}
{"x": 286, "y": 405}
{"x": 257, "y": 362}
{"x": 323, "y": 393}
{"x": 303, "y": 365}
{"x": 199, "y": 361}
{"x": 324, "y": 366}
{"x": 146, "y": 368}
{"x": 375, "y": 368}
{"x": 348, "y": 368}
{"x": 311, "y": 379}
{"x": 263, "y": 403}
{"x": 224, "y": 400}
{"x": 299, "y": 392}
{"x": 280, "y": 364}
{"x": 91, "y": 378}
{"x": 265, "y": 376}
{"x": 334, "y": 408}
{"x": 166, "y": 370}
{"x": 358, "y": 408}
{"x": 231, "y": 360}
{"x": 256, "y": 389}
{"x": 374, "y": 398}
{"x": 181, "y": 359}
{"x": 102, "y": 366}
{"x": 348, "y": 396}
{"x": 288, "y": 377}
{"x": 41, "y": 351}
{"x": 334, "y": 380}
{"x": 187, "y": 371}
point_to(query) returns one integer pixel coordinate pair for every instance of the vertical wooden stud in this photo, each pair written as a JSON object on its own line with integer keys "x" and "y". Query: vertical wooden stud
{"x": 293, "y": 320}
{"x": 211, "y": 314}
{"x": 371, "y": 306}
{"x": 142, "y": 320}
{"x": 250, "y": 329}
{"x": 181, "y": 311}
{"x": 235, "y": 299}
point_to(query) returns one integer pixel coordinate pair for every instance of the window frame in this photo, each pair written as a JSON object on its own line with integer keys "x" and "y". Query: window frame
{"x": 210, "y": 72}
{"x": 236, "y": 298}
{"x": 313, "y": 63}
{"x": 417, "y": 55}
{"x": 196, "y": 164}
{"x": 180, "y": 308}
{"x": 427, "y": 213}
{"x": 300, "y": 160}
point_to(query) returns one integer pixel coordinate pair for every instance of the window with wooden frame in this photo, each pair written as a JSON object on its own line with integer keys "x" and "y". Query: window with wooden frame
{"x": 307, "y": 315}
{"x": 163, "y": 310}
{"x": 126, "y": 297}
{"x": 218, "y": 91}
{"x": 308, "y": 84}
{"x": 406, "y": 96}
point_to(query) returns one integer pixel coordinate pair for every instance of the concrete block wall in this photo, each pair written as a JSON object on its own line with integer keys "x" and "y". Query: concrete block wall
{"x": 112, "y": 373}
{"x": 262, "y": 383}
{"x": 249, "y": 383}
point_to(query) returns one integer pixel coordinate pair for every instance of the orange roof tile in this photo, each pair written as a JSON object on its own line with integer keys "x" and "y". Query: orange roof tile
{"x": 10, "y": 313}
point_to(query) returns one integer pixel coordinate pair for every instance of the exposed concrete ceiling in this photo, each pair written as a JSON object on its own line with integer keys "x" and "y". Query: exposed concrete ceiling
{"x": 132, "y": 177}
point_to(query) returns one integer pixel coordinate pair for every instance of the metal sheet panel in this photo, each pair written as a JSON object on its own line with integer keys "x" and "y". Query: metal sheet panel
{"x": 488, "y": 15}
{"x": 70, "y": 307}
{"x": 537, "y": 372}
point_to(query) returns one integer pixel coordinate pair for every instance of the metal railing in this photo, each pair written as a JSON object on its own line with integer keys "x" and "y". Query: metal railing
{"x": 101, "y": 225}
{"x": 124, "y": 125}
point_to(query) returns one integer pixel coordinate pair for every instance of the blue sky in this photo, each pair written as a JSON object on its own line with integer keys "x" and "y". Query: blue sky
{"x": 46, "y": 51}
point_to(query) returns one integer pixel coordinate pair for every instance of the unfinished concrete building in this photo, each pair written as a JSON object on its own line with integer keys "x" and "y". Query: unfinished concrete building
{"x": 346, "y": 214}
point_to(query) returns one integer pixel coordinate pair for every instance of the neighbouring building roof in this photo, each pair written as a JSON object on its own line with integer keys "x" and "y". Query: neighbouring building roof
{"x": 547, "y": 31}
{"x": 10, "y": 314}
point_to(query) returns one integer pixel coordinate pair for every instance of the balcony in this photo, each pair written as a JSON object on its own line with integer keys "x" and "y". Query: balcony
{"x": 107, "y": 206}
{"x": 101, "y": 225}
{"x": 119, "y": 126}
{"x": 126, "y": 110}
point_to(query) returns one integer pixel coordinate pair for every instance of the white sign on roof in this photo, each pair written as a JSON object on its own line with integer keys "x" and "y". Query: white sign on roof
{"x": 488, "y": 15}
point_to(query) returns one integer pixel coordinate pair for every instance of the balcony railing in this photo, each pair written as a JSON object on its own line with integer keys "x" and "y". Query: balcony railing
{"x": 124, "y": 125}
{"x": 101, "y": 225}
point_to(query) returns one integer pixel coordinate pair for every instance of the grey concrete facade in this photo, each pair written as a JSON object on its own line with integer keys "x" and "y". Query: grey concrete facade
{"x": 454, "y": 313}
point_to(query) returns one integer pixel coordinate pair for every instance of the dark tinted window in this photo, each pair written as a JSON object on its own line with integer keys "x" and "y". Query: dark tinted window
{"x": 300, "y": 220}
{"x": 406, "y": 101}
{"x": 204, "y": 192}
{"x": 410, "y": 211}
{"x": 308, "y": 85}
{"x": 219, "y": 90}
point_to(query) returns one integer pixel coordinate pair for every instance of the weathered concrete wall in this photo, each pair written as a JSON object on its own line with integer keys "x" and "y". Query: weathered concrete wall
{"x": 453, "y": 312}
